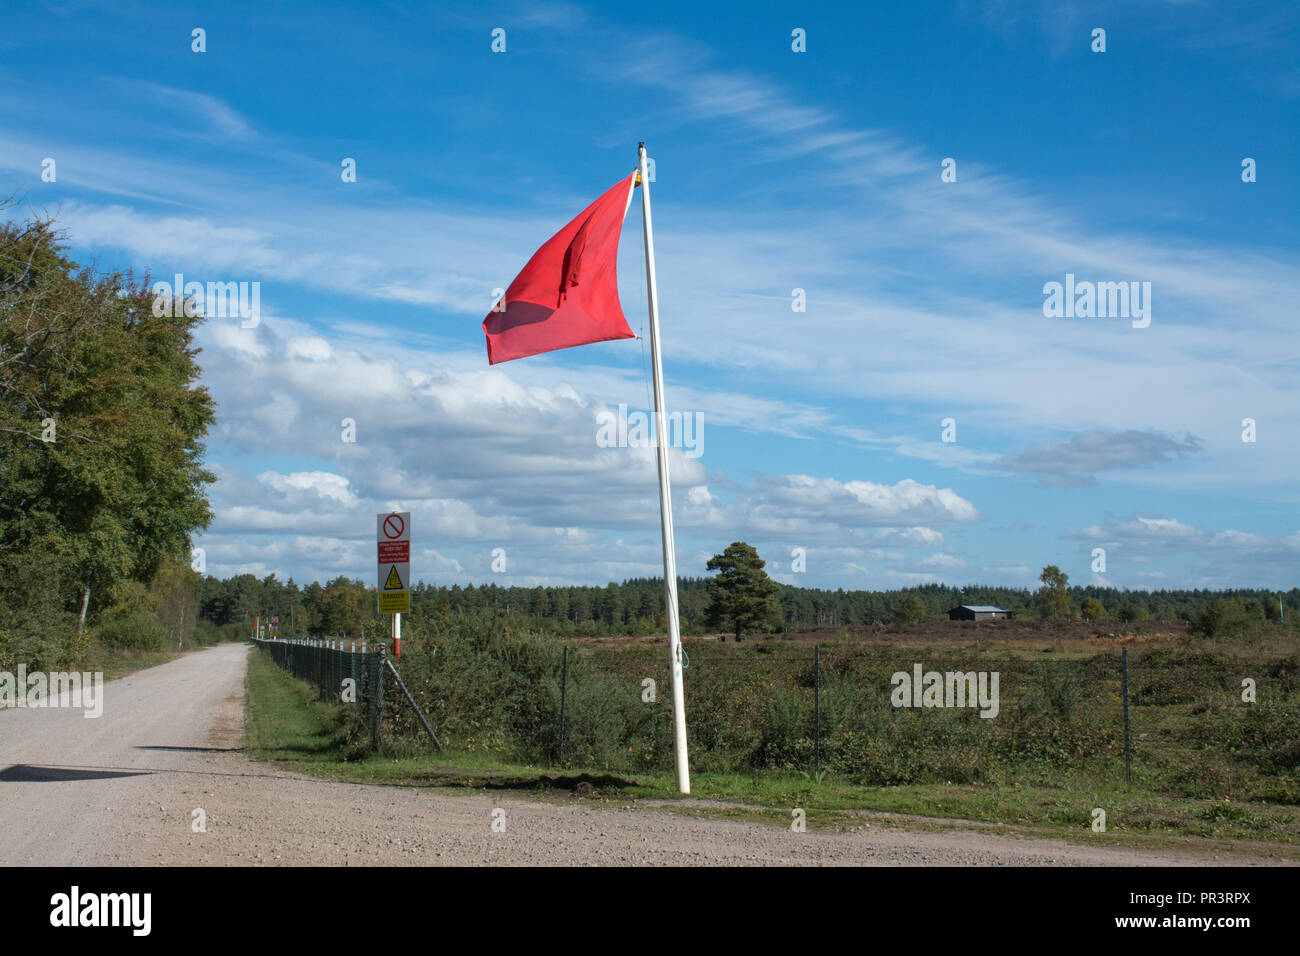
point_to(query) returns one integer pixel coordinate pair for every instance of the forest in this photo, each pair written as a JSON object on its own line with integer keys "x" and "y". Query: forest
{"x": 345, "y": 607}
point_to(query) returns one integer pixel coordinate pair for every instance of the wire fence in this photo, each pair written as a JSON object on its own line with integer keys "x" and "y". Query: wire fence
{"x": 1187, "y": 724}
{"x": 340, "y": 671}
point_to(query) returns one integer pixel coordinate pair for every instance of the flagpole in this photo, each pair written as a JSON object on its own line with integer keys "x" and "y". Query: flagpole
{"x": 665, "y": 493}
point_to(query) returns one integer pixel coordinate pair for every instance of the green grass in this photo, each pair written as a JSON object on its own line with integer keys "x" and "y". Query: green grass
{"x": 283, "y": 720}
{"x": 288, "y": 726}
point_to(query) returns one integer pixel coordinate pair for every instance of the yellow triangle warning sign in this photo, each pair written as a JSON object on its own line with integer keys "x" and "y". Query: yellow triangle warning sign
{"x": 393, "y": 583}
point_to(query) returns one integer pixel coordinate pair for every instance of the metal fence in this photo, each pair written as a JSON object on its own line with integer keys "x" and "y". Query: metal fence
{"x": 1160, "y": 719}
{"x": 344, "y": 673}
{"x": 340, "y": 671}
{"x": 1150, "y": 718}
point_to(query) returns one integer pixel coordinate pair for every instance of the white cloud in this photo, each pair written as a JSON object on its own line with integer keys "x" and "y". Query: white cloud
{"x": 483, "y": 460}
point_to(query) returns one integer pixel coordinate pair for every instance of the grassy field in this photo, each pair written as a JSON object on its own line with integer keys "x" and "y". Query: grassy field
{"x": 287, "y": 725}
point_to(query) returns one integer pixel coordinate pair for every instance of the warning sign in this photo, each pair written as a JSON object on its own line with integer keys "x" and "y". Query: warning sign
{"x": 394, "y": 552}
{"x": 393, "y": 535}
{"x": 394, "y": 602}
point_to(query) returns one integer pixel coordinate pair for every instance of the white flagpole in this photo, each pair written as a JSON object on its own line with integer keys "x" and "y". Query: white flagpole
{"x": 665, "y": 494}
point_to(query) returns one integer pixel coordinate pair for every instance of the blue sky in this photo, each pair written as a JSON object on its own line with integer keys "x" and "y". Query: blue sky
{"x": 775, "y": 170}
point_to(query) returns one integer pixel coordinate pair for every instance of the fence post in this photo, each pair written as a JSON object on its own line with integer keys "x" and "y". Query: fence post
{"x": 817, "y": 707}
{"x": 564, "y": 687}
{"x": 1128, "y": 741}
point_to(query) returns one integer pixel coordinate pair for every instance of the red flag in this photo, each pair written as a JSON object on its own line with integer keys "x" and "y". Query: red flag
{"x": 568, "y": 293}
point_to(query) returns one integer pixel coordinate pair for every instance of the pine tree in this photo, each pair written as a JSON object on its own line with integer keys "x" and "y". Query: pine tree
{"x": 741, "y": 596}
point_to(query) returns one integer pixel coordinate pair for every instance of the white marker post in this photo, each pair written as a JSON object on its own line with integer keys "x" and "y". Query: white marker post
{"x": 665, "y": 493}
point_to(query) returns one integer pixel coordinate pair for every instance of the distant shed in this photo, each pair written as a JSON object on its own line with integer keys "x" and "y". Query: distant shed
{"x": 978, "y": 612}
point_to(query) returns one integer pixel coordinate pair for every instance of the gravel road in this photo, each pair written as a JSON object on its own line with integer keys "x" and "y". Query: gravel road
{"x": 121, "y": 789}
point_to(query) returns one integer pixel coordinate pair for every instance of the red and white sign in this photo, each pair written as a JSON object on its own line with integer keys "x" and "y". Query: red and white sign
{"x": 394, "y": 552}
{"x": 393, "y": 535}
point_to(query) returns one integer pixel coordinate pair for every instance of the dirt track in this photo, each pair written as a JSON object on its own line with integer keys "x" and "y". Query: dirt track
{"x": 120, "y": 790}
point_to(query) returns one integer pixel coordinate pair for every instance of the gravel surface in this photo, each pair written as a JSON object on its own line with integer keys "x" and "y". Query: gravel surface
{"x": 121, "y": 789}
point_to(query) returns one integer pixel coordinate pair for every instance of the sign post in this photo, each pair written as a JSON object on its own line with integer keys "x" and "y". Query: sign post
{"x": 393, "y": 535}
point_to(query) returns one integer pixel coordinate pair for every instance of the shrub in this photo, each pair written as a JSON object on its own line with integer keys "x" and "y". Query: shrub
{"x": 1058, "y": 689}
{"x": 37, "y": 626}
{"x": 128, "y": 628}
{"x": 1227, "y": 617}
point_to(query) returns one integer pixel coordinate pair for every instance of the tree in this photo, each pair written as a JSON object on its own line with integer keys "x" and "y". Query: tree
{"x": 176, "y": 589}
{"x": 913, "y": 611}
{"x": 1092, "y": 609}
{"x": 741, "y": 595}
{"x": 1130, "y": 612}
{"x": 342, "y": 610}
{"x": 1272, "y": 608}
{"x": 101, "y": 424}
{"x": 1053, "y": 596}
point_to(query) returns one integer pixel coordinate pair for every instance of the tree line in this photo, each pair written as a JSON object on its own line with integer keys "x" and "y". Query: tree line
{"x": 346, "y": 607}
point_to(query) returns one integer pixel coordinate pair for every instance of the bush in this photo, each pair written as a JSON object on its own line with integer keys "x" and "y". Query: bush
{"x": 207, "y": 633}
{"x": 1227, "y": 617}
{"x": 130, "y": 629}
{"x": 131, "y": 621}
{"x": 1058, "y": 689}
{"x": 37, "y": 625}
{"x": 788, "y": 722}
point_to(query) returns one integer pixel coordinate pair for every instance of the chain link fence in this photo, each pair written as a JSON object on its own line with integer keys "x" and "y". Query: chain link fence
{"x": 340, "y": 671}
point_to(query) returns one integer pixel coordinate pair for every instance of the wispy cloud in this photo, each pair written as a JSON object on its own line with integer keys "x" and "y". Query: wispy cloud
{"x": 199, "y": 112}
{"x": 1077, "y": 460}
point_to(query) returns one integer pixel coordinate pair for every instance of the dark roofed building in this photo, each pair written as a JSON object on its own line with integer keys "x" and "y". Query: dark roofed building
{"x": 978, "y": 612}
